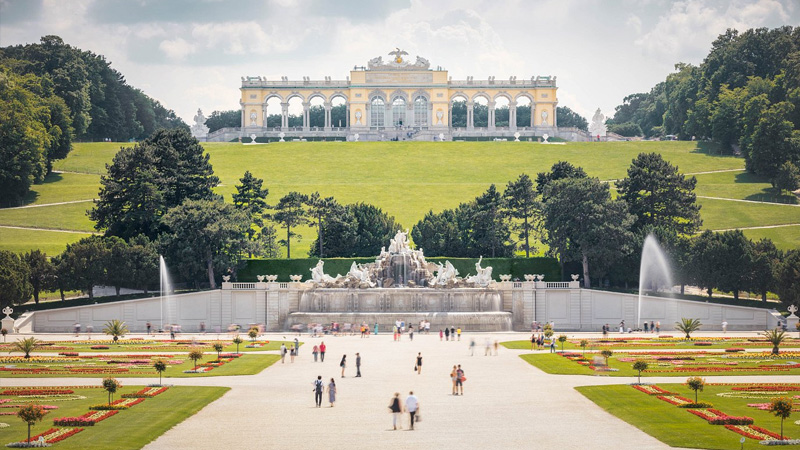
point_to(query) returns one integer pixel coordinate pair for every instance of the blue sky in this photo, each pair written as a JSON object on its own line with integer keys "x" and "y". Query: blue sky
{"x": 191, "y": 54}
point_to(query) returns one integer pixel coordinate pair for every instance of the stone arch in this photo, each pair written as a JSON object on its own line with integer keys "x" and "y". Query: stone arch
{"x": 377, "y": 93}
{"x": 458, "y": 95}
{"x": 482, "y": 95}
{"x": 294, "y": 95}
{"x": 523, "y": 94}
{"x": 337, "y": 94}
{"x": 420, "y": 93}
{"x": 272, "y": 95}
{"x": 399, "y": 94}
{"x": 503, "y": 94}
{"x": 316, "y": 94}
{"x": 340, "y": 106}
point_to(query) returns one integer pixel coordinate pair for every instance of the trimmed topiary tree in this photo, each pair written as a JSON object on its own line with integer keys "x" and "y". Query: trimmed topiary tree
{"x": 218, "y": 348}
{"x": 110, "y": 385}
{"x": 195, "y": 355}
{"x": 606, "y": 353}
{"x": 781, "y": 407}
{"x": 160, "y": 367}
{"x": 640, "y": 366}
{"x": 253, "y": 333}
{"x": 696, "y": 384}
{"x": 4, "y": 332}
{"x": 584, "y": 344}
{"x": 237, "y": 340}
{"x": 562, "y": 338}
{"x": 30, "y": 414}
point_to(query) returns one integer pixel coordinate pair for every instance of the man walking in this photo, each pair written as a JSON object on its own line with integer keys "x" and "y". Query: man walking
{"x": 358, "y": 364}
{"x": 322, "y": 348}
{"x": 296, "y": 347}
{"x": 412, "y": 406}
{"x": 460, "y": 380}
{"x": 283, "y": 352}
{"x": 318, "y": 386}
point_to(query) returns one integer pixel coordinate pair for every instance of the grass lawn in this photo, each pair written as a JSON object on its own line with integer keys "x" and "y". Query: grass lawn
{"x": 784, "y": 237}
{"x": 555, "y": 364}
{"x": 64, "y": 187}
{"x": 739, "y": 185}
{"x": 71, "y": 216}
{"x": 129, "y": 429}
{"x": 407, "y": 179}
{"x": 678, "y": 428}
{"x": 90, "y": 157}
{"x": 244, "y": 365}
{"x": 50, "y": 242}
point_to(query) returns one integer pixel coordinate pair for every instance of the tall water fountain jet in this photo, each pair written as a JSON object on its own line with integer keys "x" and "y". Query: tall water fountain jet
{"x": 654, "y": 271}
{"x": 165, "y": 287}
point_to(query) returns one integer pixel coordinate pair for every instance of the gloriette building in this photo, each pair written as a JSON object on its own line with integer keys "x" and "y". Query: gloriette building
{"x": 398, "y": 99}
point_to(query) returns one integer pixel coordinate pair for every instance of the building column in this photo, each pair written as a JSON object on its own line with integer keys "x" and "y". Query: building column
{"x": 306, "y": 116}
{"x": 388, "y": 117}
{"x": 347, "y": 115}
{"x": 327, "y": 106}
{"x": 284, "y": 115}
{"x": 264, "y": 115}
{"x": 491, "y": 116}
{"x": 470, "y": 114}
{"x": 533, "y": 114}
{"x": 410, "y": 119}
{"x": 512, "y": 116}
{"x": 450, "y": 115}
{"x": 555, "y": 115}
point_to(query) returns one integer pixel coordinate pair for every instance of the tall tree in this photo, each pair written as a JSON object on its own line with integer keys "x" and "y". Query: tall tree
{"x": 723, "y": 261}
{"x": 204, "y": 235}
{"x": 787, "y": 277}
{"x": 41, "y": 272}
{"x": 438, "y": 234}
{"x": 118, "y": 263}
{"x": 560, "y": 170}
{"x": 320, "y": 209}
{"x": 766, "y": 258}
{"x": 15, "y": 286}
{"x": 83, "y": 264}
{"x": 144, "y": 181}
{"x": 250, "y": 198}
{"x": 658, "y": 195}
{"x": 520, "y": 199}
{"x": 142, "y": 261}
{"x": 490, "y": 231}
{"x": 774, "y": 142}
{"x": 568, "y": 118}
{"x": 224, "y": 119}
{"x": 290, "y": 213}
{"x": 374, "y": 228}
{"x": 584, "y": 223}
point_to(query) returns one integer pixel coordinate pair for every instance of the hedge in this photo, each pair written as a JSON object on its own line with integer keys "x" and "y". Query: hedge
{"x": 517, "y": 267}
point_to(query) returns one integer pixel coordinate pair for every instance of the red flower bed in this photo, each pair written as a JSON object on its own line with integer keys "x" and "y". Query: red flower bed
{"x": 36, "y": 391}
{"x": 652, "y": 390}
{"x": 54, "y": 435}
{"x": 703, "y": 344}
{"x": 734, "y": 350}
{"x": 676, "y": 400}
{"x": 145, "y": 393}
{"x": 86, "y": 420}
{"x": 68, "y": 353}
{"x": 754, "y": 432}
{"x": 99, "y": 347}
{"x": 767, "y": 387}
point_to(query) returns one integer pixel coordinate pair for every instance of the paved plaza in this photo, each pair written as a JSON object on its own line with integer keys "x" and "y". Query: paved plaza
{"x": 507, "y": 403}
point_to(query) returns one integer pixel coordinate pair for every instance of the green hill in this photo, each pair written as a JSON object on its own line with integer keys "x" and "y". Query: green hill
{"x": 407, "y": 179}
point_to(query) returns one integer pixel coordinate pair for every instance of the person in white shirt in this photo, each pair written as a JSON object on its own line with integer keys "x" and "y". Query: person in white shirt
{"x": 412, "y": 406}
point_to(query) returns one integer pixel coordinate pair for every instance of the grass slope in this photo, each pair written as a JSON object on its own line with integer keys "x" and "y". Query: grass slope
{"x": 50, "y": 242}
{"x": 407, "y": 179}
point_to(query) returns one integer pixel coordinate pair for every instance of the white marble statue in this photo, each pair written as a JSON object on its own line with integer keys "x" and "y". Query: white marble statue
{"x": 400, "y": 242}
{"x": 253, "y": 117}
{"x": 318, "y": 274}
{"x": 360, "y": 273}
{"x": 445, "y": 273}
{"x": 544, "y": 118}
{"x": 598, "y": 125}
{"x": 484, "y": 275}
{"x": 199, "y": 129}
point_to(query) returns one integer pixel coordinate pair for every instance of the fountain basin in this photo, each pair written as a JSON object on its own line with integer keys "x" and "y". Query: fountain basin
{"x": 384, "y": 300}
{"x": 467, "y": 321}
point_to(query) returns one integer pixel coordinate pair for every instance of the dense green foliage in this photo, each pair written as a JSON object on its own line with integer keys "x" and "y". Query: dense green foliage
{"x": 746, "y": 92}
{"x": 101, "y": 104}
{"x": 15, "y": 287}
{"x": 357, "y": 230}
{"x": 223, "y": 119}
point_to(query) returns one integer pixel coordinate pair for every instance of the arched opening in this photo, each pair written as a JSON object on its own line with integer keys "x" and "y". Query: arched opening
{"x": 458, "y": 112}
{"x": 377, "y": 113}
{"x": 480, "y": 112}
{"x": 338, "y": 112}
{"x": 296, "y": 112}
{"x": 273, "y": 112}
{"x": 501, "y": 113}
{"x": 316, "y": 112}
{"x": 399, "y": 112}
{"x": 421, "y": 111}
{"x": 523, "y": 111}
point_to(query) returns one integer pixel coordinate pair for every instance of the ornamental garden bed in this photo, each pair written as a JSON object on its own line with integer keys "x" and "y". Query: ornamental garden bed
{"x": 733, "y": 414}
{"x": 132, "y": 365}
{"x": 640, "y": 340}
{"x": 151, "y": 345}
{"x": 667, "y": 363}
{"x": 73, "y": 425}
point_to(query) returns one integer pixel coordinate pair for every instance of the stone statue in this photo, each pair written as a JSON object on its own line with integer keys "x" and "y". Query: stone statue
{"x": 375, "y": 63}
{"x": 598, "y": 126}
{"x": 484, "y": 275}
{"x": 400, "y": 242}
{"x": 544, "y": 118}
{"x": 199, "y": 129}
{"x": 253, "y": 117}
{"x": 422, "y": 63}
{"x": 318, "y": 274}
{"x": 360, "y": 274}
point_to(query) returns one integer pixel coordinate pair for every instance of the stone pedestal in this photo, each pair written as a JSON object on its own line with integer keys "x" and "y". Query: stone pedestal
{"x": 791, "y": 323}
{"x": 8, "y": 324}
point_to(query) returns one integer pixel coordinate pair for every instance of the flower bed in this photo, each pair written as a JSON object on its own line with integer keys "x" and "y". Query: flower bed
{"x": 68, "y": 353}
{"x": 754, "y": 432}
{"x": 676, "y": 400}
{"x": 146, "y": 393}
{"x": 54, "y": 435}
{"x": 120, "y": 404}
{"x": 716, "y": 417}
{"x": 16, "y": 392}
{"x": 86, "y": 420}
{"x": 734, "y": 350}
{"x": 99, "y": 347}
{"x": 652, "y": 390}
{"x": 783, "y": 388}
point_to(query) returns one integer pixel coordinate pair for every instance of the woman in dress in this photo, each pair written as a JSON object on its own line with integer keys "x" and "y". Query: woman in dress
{"x": 396, "y": 407}
{"x": 332, "y": 392}
{"x": 419, "y": 363}
{"x": 343, "y": 364}
{"x": 454, "y": 377}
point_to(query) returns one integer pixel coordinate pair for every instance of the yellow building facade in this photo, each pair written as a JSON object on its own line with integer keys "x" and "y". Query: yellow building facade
{"x": 398, "y": 98}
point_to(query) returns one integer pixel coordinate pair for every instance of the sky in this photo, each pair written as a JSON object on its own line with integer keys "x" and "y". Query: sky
{"x": 190, "y": 54}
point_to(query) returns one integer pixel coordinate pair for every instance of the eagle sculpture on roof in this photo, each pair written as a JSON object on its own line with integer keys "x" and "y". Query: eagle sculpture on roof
{"x": 398, "y": 55}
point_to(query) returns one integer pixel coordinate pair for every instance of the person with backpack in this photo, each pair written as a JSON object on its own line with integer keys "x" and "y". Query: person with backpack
{"x": 318, "y": 388}
{"x": 460, "y": 379}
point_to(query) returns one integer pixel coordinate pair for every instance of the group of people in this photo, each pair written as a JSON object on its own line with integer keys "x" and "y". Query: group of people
{"x": 292, "y": 351}
{"x": 412, "y": 407}
{"x": 450, "y": 334}
{"x": 537, "y": 342}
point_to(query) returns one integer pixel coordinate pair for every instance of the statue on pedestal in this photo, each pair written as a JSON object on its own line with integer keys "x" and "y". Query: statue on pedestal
{"x": 199, "y": 129}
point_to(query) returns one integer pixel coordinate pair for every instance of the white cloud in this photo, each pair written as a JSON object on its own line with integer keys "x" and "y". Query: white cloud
{"x": 177, "y": 49}
{"x": 634, "y": 22}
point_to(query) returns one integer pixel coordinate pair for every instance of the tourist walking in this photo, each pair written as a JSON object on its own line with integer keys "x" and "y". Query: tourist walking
{"x": 645, "y": 326}
{"x": 322, "y": 351}
{"x": 724, "y": 326}
{"x": 343, "y": 364}
{"x": 412, "y": 406}
{"x": 318, "y": 387}
{"x": 553, "y": 343}
{"x": 332, "y": 392}
{"x": 418, "y": 364}
{"x": 292, "y": 353}
{"x": 453, "y": 378}
{"x": 315, "y": 352}
{"x": 447, "y": 334}
{"x": 460, "y": 380}
{"x": 488, "y": 347}
{"x": 411, "y": 332}
{"x": 496, "y": 346}
{"x": 453, "y": 333}
{"x": 472, "y": 347}
{"x": 202, "y": 327}
{"x": 658, "y": 327}
{"x": 440, "y": 334}
{"x": 148, "y": 325}
{"x": 358, "y": 365}
{"x": 533, "y": 340}
{"x": 296, "y": 347}
{"x": 376, "y": 328}
{"x": 283, "y": 352}
{"x": 458, "y": 332}
{"x": 77, "y": 329}
{"x": 622, "y": 327}
{"x": 652, "y": 327}
{"x": 396, "y": 408}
